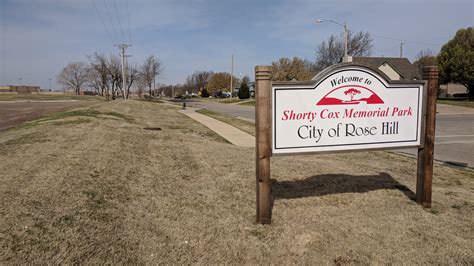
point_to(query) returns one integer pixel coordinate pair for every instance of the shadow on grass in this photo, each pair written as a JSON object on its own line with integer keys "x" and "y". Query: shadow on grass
{"x": 321, "y": 185}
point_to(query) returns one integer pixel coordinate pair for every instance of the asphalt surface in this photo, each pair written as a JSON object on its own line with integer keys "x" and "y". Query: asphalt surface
{"x": 454, "y": 143}
{"x": 13, "y": 113}
{"x": 240, "y": 111}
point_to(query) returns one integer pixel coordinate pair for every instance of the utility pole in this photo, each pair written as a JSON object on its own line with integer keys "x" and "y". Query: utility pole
{"x": 123, "y": 47}
{"x": 401, "y": 49}
{"x": 345, "y": 59}
{"x": 346, "y": 36}
{"x": 232, "y": 77}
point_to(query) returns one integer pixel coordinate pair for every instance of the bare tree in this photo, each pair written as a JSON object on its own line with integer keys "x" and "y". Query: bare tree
{"x": 150, "y": 69}
{"x": 133, "y": 75}
{"x": 93, "y": 80}
{"x": 285, "y": 69}
{"x": 141, "y": 86}
{"x": 190, "y": 85}
{"x": 202, "y": 78}
{"x": 73, "y": 76}
{"x": 114, "y": 67}
{"x": 425, "y": 58}
{"x": 100, "y": 76}
{"x": 198, "y": 81}
{"x": 331, "y": 51}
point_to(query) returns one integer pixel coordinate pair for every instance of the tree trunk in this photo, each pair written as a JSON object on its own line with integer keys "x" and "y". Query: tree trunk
{"x": 121, "y": 90}
{"x": 107, "y": 93}
{"x": 470, "y": 92}
{"x": 113, "y": 90}
{"x": 128, "y": 89}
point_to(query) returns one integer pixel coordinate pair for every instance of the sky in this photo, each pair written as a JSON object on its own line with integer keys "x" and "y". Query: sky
{"x": 40, "y": 37}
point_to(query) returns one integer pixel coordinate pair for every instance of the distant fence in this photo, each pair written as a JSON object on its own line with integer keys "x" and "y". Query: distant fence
{"x": 20, "y": 89}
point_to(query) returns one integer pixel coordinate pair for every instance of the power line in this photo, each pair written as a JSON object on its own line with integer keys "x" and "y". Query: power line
{"x": 390, "y": 51}
{"x": 118, "y": 18}
{"x": 128, "y": 19}
{"x": 110, "y": 19}
{"x": 103, "y": 23}
{"x": 405, "y": 41}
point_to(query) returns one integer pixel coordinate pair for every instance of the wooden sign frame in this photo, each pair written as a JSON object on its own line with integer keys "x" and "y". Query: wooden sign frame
{"x": 263, "y": 119}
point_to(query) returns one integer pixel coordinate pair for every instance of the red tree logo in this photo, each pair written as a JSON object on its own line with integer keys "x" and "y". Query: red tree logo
{"x": 358, "y": 94}
{"x": 352, "y": 92}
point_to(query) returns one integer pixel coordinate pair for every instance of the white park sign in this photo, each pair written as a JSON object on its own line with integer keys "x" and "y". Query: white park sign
{"x": 350, "y": 107}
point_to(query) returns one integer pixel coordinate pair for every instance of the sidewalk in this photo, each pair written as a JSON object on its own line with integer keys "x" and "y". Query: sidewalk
{"x": 230, "y": 133}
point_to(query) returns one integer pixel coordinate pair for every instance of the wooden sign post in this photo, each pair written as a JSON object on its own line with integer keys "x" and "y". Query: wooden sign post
{"x": 263, "y": 144}
{"x": 346, "y": 107}
{"x": 426, "y": 152}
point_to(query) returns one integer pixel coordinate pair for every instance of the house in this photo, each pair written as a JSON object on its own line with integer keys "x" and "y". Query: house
{"x": 395, "y": 68}
{"x": 401, "y": 69}
{"x": 452, "y": 90}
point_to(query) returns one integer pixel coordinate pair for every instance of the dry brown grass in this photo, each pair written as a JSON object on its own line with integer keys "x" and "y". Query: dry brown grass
{"x": 107, "y": 191}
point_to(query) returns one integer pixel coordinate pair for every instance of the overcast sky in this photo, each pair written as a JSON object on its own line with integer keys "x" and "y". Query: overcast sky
{"x": 38, "y": 38}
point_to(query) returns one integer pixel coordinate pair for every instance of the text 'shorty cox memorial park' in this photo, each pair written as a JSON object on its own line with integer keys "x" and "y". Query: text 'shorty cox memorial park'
{"x": 351, "y": 108}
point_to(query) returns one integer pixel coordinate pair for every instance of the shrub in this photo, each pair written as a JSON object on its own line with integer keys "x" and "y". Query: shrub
{"x": 205, "y": 93}
{"x": 244, "y": 92}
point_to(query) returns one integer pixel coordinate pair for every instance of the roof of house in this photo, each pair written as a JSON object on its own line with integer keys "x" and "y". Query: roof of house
{"x": 402, "y": 66}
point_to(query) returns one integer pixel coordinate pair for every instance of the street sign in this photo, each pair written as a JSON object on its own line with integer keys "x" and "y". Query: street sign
{"x": 345, "y": 108}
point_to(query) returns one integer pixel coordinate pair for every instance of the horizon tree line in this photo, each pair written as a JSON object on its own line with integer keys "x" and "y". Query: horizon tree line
{"x": 103, "y": 74}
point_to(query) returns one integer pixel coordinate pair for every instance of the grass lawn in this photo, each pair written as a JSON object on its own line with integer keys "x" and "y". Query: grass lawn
{"x": 233, "y": 100}
{"x": 248, "y": 103}
{"x": 91, "y": 186}
{"x": 465, "y": 103}
{"x": 223, "y": 100}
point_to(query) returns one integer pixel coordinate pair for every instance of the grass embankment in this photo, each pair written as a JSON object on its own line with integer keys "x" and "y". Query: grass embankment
{"x": 464, "y": 103}
{"x": 108, "y": 191}
{"x": 47, "y": 97}
{"x": 248, "y": 103}
{"x": 233, "y": 100}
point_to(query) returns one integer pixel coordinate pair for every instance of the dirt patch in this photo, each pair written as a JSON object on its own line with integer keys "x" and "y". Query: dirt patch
{"x": 107, "y": 191}
{"x": 16, "y": 113}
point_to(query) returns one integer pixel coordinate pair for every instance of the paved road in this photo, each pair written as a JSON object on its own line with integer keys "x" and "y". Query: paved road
{"x": 454, "y": 130}
{"x": 454, "y": 141}
{"x": 241, "y": 111}
{"x": 13, "y": 113}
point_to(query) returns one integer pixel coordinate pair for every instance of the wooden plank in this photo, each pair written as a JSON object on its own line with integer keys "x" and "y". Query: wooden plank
{"x": 263, "y": 144}
{"x": 426, "y": 153}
